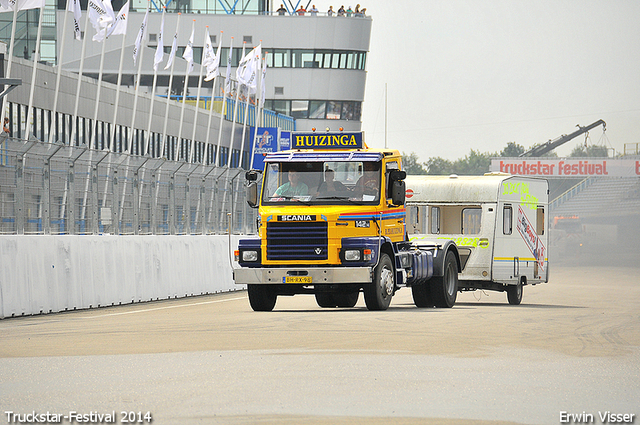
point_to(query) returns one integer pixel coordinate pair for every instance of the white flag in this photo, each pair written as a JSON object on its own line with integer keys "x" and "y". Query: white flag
{"x": 247, "y": 72}
{"x": 74, "y": 6}
{"x": 174, "y": 48}
{"x": 264, "y": 86}
{"x": 160, "y": 49}
{"x": 227, "y": 84}
{"x": 140, "y": 37}
{"x": 213, "y": 67}
{"x": 120, "y": 24}
{"x": 101, "y": 15}
{"x": 9, "y": 5}
{"x": 188, "y": 53}
{"x": 207, "y": 53}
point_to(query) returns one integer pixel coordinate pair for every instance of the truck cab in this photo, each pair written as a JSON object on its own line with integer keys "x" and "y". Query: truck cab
{"x": 331, "y": 222}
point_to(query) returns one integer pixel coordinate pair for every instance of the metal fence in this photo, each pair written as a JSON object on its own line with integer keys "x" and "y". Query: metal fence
{"x": 56, "y": 189}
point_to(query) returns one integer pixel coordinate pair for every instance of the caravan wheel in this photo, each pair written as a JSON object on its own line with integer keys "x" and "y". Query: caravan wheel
{"x": 514, "y": 293}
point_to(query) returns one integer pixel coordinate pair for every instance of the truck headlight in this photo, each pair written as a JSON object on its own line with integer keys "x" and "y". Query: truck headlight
{"x": 249, "y": 256}
{"x": 352, "y": 255}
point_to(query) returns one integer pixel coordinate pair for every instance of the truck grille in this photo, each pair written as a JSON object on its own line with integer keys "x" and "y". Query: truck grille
{"x": 297, "y": 241}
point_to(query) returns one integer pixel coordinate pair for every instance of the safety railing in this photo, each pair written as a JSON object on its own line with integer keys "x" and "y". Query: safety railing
{"x": 56, "y": 189}
{"x": 573, "y": 191}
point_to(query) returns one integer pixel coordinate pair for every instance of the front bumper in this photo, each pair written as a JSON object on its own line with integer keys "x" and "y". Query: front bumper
{"x": 319, "y": 275}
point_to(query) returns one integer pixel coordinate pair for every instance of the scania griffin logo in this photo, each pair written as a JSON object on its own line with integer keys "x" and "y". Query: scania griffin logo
{"x": 301, "y": 217}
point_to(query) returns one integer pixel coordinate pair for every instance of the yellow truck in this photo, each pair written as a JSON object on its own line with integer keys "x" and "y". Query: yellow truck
{"x": 332, "y": 222}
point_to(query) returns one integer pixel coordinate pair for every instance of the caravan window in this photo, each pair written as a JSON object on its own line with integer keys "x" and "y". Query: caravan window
{"x": 471, "y": 221}
{"x": 507, "y": 219}
{"x": 435, "y": 220}
{"x": 540, "y": 220}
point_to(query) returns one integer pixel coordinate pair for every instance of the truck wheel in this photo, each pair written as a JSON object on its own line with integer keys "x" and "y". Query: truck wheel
{"x": 262, "y": 297}
{"x": 378, "y": 294}
{"x": 325, "y": 300}
{"x": 444, "y": 289}
{"x": 422, "y": 295}
{"x": 514, "y": 293}
{"x": 346, "y": 300}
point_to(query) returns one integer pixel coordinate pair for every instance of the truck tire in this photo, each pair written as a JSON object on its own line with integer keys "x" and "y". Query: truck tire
{"x": 342, "y": 300}
{"x": 347, "y": 300}
{"x": 444, "y": 289}
{"x": 262, "y": 297}
{"x": 422, "y": 295}
{"x": 378, "y": 294}
{"x": 514, "y": 293}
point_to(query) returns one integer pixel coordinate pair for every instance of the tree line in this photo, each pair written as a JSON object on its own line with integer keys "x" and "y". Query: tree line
{"x": 478, "y": 163}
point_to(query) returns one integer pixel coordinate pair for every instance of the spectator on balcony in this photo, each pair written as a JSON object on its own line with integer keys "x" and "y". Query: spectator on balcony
{"x": 314, "y": 10}
{"x": 301, "y": 11}
{"x": 330, "y": 11}
{"x": 282, "y": 10}
{"x": 6, "y": 128}
{"x": 349, "y": 12}
{"x": 341, "y": 11}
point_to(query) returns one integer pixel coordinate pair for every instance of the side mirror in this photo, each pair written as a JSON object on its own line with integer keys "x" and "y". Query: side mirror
{"x": 252, "y": 194}
{"x": 398, "y": 175}
{"x": 397, "y": 186}
{"x": 398, "y": 191}
{"x": 251, "y": 176}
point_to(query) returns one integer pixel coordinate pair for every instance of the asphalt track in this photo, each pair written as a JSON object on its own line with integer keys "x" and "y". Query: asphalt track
{"x": 573, "y": 346}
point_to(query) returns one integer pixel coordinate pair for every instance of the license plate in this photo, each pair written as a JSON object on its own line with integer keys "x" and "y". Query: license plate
{"x": 297, "y": 279}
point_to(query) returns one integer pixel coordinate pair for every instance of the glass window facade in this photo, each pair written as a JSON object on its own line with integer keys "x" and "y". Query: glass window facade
{"x": 317, "y": 109}
{"x": 322, "y": 59}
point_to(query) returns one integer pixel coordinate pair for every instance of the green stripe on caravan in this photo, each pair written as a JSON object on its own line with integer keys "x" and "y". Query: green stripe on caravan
{"x": 327, "y": 141}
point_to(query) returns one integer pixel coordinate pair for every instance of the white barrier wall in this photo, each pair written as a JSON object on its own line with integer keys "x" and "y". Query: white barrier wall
{"x": 43, "y": 274}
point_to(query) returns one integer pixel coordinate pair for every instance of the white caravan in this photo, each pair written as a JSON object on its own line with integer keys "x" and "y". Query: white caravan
{"x": 498, "y": 221}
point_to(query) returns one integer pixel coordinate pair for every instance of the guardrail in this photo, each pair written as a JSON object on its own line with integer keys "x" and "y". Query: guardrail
{"x": 573, "y": 191}
{"x": 69, "y": 190}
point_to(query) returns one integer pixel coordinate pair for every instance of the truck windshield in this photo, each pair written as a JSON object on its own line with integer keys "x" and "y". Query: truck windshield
{"x": 331, "y": 183}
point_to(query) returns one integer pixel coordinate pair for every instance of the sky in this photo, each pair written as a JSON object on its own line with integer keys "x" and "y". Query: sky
{"x": 473, "y": 74}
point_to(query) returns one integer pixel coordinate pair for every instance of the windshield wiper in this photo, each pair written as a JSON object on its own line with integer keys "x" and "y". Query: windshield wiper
{"x": 293, "y": 198}
{"x": 341, "y": 198}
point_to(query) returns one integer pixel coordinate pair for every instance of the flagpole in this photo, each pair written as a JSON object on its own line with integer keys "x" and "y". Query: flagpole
{"x": 184, "y": 93}
{"x": 10, "y": 60}
{"x": 75, "y": 109}
{"x": 59, "y": 73}
{"x": 195, "y": 117}
{"x": 112, "y": 145}
{"x": 155, "y": 79}
{"x": 260, "y": 100}
{"x": 235, "y": 113}
{"x": 94, "y": 128}
{"x": 233, "y": 126}
{"x": 137, "y": 82}
{"x": 36, "y": 56}
{"x": 224, "y": 102}
{"x": 216, "y": 70}
{"x": 166, "y": 111}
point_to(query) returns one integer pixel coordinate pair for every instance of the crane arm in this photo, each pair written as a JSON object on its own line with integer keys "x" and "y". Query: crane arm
{"x": 552, "y": 144}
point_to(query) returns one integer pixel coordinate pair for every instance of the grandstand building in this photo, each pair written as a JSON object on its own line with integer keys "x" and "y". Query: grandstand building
{"x": 316, "y": 64}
